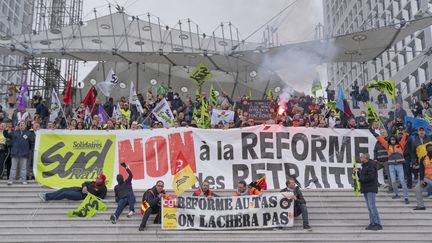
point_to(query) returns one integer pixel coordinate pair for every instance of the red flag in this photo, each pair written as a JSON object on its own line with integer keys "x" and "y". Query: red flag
{"x": 89, "y": 100}
{"x": 67, "y": 98}
{"x": 262, "y": 183}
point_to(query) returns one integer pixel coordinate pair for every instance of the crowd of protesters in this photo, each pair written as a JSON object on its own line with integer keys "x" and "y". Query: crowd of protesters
{"x": 395, "y": 149}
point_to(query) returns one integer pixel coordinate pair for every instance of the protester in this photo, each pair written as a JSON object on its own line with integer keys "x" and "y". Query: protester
{"x": 3, "y": 149}
{"x": 381, "y": 156}
{"x": 242, "y": 190}
{"x": 299, "y": 201}
{"x": 418, "y": 140}
{"x": 425, "y": 177}
{"x": 12, "y": 95}
{"x": 124, "y": 195}
{"x": 395, "y": 151}
{"x": 204, "y": 191}
{"x": 97, "y": 188}
{"x": 22, "y": 141}
{"x": 152, "y": 197}
{"x": 368, "y": 177}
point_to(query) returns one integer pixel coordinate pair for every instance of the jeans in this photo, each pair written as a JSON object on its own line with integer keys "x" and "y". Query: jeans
{"x": 300, "y": 208}
{"x": 152, "y": 210}
{"x": 370, "y": 198}
{"x": 71, "y": 193}
{"x": 22, "y": 163}
{"x": 129, "y": 199}
{"x": 354, "y": 102}
{"x": 3, "y": 155}
{"x": 386, "y": 171}
{"x": 398, "y": 170}
{"x": 419, "y": 191}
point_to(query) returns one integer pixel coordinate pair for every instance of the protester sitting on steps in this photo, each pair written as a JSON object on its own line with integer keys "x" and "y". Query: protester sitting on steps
{"x": 96, "y": 188}
{"x": 204, "y": 191}
{"x": 124, "y": 195}
{"x": 242, "y": 190}
{"x": 152, "y": 202}
{"x": 299, "y": 201}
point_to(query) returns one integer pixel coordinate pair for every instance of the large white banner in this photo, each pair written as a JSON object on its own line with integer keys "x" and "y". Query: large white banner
{"x": 319, "y": 158}
{"x": 225, "y": 213}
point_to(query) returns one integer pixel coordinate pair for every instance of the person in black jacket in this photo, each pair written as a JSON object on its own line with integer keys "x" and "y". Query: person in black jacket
{"x": 96, "y": 188}
{"x": 124, "y": 195}
{"x": 22, "y": 141}
{"x": 299, "y": 201}
{"x": 152, "y": 198}
{"x": 368, "y": 177}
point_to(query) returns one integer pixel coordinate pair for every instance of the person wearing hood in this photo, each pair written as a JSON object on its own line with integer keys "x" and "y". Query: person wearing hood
{"x": 152, "y": 202}
{"x": 124, "y": 195}
{"x": 96, "y": 188}
{"x": 425, "y": 177}
{"x": 395, "y": 151}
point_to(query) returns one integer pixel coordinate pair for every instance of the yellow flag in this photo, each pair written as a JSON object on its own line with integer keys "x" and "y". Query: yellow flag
{"x": 184, "y": 177}
{"x": 213, "y": 97}
{"x": 372, "y": 114}
{"x": 421, "y": 150}
{"x": 88, "y": 208}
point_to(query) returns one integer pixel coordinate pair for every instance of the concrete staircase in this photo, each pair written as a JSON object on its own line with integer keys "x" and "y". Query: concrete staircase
{"x": 335, "y": 215}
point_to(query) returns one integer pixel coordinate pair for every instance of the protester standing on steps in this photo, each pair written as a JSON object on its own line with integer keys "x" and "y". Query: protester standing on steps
{"x": 152, "y": 202}
{"x": 299, "y": 201}
{"x": 368, "y": 177}
{"x": 124, "y": 195}
{"x": 22, "y": 141}
{"x": 381, "y": 156}
{"x": 395, "y": 151}
{"x": 425, "y": 177}
{"x": 3, "y": 149}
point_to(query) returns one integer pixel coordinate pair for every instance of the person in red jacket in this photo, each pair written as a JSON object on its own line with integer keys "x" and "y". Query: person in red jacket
{"x": 204, "y": 191}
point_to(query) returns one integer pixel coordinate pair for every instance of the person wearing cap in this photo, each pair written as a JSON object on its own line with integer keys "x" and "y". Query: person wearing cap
{"x": 96, "y": 188}
{"x": 420, "y": 139}
{"x": 425, "y": 177}
{"x": 395, "y": 151}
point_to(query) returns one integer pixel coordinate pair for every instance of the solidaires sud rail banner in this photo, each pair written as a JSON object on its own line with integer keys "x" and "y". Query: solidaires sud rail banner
{"x": 320, "y": 158}
{"x": 221, "y": 213}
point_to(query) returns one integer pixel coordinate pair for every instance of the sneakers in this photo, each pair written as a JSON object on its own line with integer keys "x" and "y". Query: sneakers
{"x": 369, "y": 227}
{"x": 395, "y": 197}
{"x": 113, "y": 219}
{"x": 419, "y": 208}
{"x": 24, "y": 183}
{"x": 307, "y": 227}
{"x": 406, "y": 201}
{"x": 9, "y": 183}
{"x": 130, "y": 214}
{"x": 42, "y": 197}
{"x": 377, "y": 227}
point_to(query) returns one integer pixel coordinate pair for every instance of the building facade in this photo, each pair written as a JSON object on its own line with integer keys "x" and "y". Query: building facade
{"x": 15, "y": 19}
{"x": 408, "y": 62}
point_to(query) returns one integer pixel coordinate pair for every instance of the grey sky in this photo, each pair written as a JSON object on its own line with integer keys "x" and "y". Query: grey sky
{"x": 295, "y": 25}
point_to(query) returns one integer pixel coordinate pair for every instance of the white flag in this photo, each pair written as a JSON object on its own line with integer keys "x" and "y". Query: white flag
{"x": 163, "y": 113}
{"x": 223, "y": 116}
{"x": 110, "y": 81}
{"x": 133, "y": 98}
{"x": 87, "y": 116}
{"x": 116, "y": 112}
{"x": 55, "y": 106}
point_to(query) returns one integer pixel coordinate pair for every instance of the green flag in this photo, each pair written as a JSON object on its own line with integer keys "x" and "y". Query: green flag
{"x": 88, "y": 208}
{"x": 386, "y": 86}
{"x": 316, "y": 85}
{"x": 250, "y": 95}
{"x": 200, "y": 74}
{"x": 270, "y": 94}
{"x": 197, "y": 96}
{"x": 372, "y": 114}
{"x": 331, "y": 105}
{"x": 213, "y": 97}
{"x": 356, "y": 179}
{"x": 204, "y": 121}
